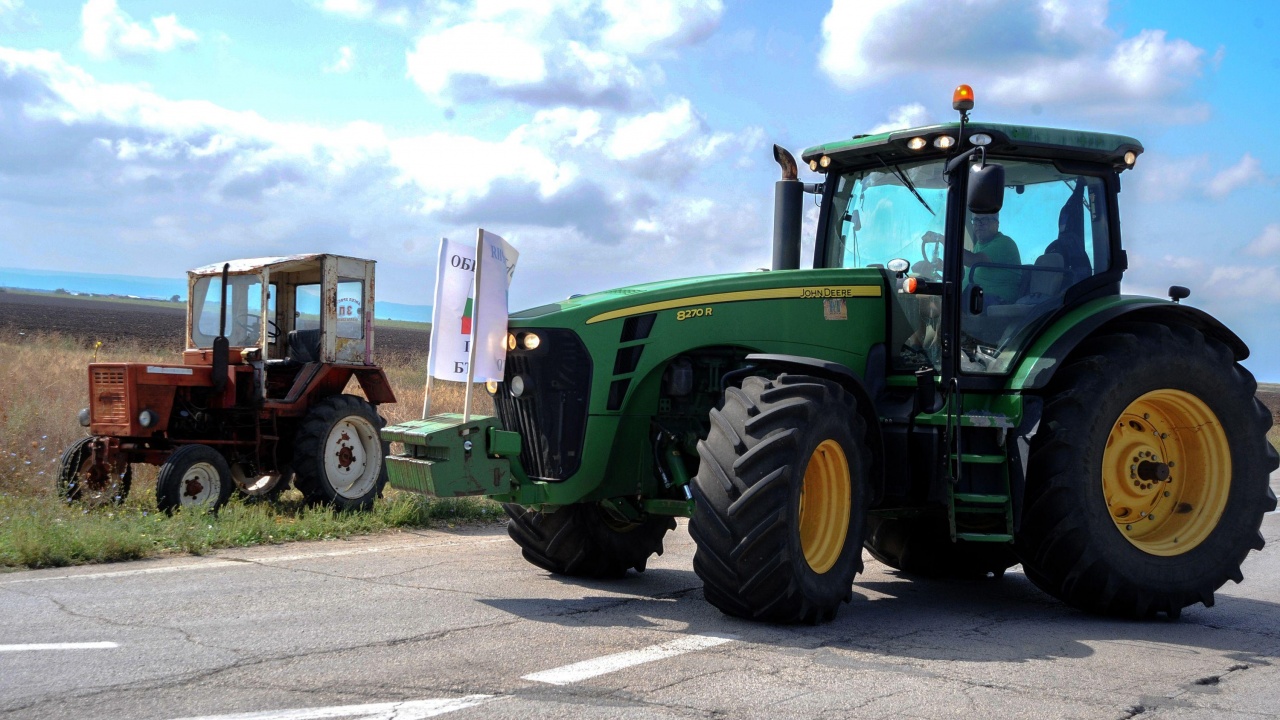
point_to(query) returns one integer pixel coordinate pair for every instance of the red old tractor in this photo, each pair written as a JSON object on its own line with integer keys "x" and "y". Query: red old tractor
{"x": 258, "y": 399}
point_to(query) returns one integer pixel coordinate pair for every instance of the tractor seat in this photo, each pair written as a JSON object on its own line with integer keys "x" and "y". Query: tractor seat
{"x": 303, "y": 345}
{"x": 1040, "y": 283}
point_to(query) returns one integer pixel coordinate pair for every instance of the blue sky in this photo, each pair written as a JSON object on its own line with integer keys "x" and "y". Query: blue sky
{"x": 611, "y": 141}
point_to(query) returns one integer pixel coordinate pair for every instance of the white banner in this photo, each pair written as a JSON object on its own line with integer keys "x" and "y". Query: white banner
{"x": 452, "y": 319}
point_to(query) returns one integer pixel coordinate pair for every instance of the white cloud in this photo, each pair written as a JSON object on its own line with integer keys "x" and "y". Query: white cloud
{"x": 190, "y": 181}
{"x": 344, "y": 62}
{"x": 9, "y": 6}
{"x": 1268, "y": 243}
{"x": 110, "y": 32}
{"x": 1246, "y": 172}
{"x": 576, "y": 52}
{"x": 393, "y": 12}
{"x": 1015, "y": 53}
{"x": 907, "y": 116}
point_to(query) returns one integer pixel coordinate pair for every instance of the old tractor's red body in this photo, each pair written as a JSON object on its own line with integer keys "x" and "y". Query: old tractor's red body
{"x": 258, "y": 399}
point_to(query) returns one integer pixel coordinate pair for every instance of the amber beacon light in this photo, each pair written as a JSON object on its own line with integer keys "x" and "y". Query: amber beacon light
{"x": 962, "y": 98}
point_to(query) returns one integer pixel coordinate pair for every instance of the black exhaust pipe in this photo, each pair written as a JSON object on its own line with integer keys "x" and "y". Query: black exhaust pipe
{"x": 221, "y": 348}
{"x": 788, "y": 204}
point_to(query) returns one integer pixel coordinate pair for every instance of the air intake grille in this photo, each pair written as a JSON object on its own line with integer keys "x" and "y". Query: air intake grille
{"x": 107, "y": 396}
{"x": 551, "y": 417}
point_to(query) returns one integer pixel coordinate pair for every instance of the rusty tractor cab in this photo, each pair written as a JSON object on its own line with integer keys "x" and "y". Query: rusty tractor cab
{"x": 271, "y": 344}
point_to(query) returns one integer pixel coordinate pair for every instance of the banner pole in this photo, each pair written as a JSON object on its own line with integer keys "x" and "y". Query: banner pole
{"x": 426, "y": 393}
{"x": 475, "y": 326}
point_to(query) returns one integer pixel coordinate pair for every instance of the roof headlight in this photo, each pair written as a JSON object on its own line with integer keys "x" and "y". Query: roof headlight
{"x": 824, "y": 161}
{"x": 1130, "y": 158}
{"x": 813, "y": 165}
{"x": 916, "y": 143}
{"x": 980, "y": 139}
{"x": 942, "y": 142}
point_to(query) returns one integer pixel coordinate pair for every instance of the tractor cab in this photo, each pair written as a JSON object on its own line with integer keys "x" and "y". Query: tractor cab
{"x": 287, "y": 311}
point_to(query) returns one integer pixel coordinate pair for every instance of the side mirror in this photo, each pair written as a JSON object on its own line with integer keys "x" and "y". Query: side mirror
{"x": 986, "y": 189}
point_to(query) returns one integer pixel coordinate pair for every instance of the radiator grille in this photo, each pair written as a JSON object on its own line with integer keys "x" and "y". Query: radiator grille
{"x": 107, "y": 396}
{"x": 552, "y": 417}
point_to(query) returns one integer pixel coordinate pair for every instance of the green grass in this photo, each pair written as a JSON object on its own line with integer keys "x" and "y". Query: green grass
{"x": 41, "y": 532}
{"x": 402, "y": 324}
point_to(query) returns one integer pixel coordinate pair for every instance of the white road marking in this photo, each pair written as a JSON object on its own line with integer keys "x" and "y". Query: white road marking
{"x": 407, "y": 710}
{"x": 59, "y": 646}
{"x": 612, "y": 663}
{"x": 213, "y": 564}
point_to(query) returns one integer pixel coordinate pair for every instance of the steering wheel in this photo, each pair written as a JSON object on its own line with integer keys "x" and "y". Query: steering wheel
{"x": 246, "y": 328}
{"x": 931, "y": 266}
{"x": 273, "y": 330}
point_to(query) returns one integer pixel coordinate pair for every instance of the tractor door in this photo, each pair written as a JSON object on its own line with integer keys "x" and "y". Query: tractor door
{"x": 1020, "y": 265}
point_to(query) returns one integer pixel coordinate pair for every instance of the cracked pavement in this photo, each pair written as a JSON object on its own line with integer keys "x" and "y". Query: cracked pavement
{"x": 447, "y": 614}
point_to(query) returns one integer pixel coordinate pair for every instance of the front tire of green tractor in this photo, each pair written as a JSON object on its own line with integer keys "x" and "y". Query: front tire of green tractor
{"x": 1148, "y": 480}
{"x": 923, "y": 546}
{"x": 80, "y": 480}
{"x": 780, "y": 500}
{"x": 338, "y": 457}
{"x": 585, "y": 541}
{"x": 194, "y": 476}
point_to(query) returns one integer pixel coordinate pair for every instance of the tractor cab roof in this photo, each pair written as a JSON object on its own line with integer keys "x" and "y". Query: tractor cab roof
{"x": 276, "y": 264}
{"x": 1005, "y": 140}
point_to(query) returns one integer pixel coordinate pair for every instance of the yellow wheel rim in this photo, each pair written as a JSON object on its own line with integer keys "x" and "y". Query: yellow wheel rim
{"x": 1166, "y": 472}
{"x": 824, "y": 506}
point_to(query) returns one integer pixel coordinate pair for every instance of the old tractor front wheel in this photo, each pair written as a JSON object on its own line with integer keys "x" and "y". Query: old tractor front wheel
{"x": 585, "y": 541}
{"x": 81, "y": 480}
{"x": 780, "y": 500}
{"x": 1149, "y": 479}
{"x": 338, "y": 457}
{"x": 194, "y": 476}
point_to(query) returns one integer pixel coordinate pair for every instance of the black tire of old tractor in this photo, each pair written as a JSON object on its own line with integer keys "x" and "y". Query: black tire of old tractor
{"x": 747, "y": 499}
{"x": 78, "y": 482}
{"x": 922, "y": 546}
{"x": 194, "y": 476}
{"x": 330, "y": 424}
{"x": 584, "y": 541}
{"x": 1069, "y": 543}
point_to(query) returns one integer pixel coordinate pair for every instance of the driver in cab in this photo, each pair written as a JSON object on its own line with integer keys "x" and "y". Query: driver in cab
{"x": 989, "y": 245}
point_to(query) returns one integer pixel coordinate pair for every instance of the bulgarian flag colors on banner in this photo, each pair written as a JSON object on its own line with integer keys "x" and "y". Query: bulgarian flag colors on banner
{"x": 454, "y": 324}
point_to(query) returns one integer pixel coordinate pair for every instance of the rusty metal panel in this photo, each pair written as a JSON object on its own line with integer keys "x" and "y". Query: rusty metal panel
{"x": 329, "y": 309}
{"x": 108, "y": 393}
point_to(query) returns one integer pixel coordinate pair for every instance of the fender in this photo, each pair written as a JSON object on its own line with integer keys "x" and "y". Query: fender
{"x": 1048, "y": 352}
{"x": 848, "y": 379}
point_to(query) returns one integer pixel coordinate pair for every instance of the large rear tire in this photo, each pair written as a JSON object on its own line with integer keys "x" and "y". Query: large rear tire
{"x": 584, "y": 541}
{"x": 780, "y": 500}
{"x": 923, "y": 546}
{"x": 194, "y": 476}
{"x": 1148, "y": 480}
{"x": 338, "y": 457}
{"x": 81, "y": 480}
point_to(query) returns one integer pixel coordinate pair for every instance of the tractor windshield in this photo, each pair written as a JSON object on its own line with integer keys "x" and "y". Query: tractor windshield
{"x": 244, "y": 310}
{"x": 888, "y": 212}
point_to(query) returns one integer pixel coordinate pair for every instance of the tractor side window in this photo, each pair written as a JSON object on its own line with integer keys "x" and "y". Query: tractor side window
{"x": 307, "y": 306}
{"x": 350, "y": 308}
{"x": 1051, "y": 234}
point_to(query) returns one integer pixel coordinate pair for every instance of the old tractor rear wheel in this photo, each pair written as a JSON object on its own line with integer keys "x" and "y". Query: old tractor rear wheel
{"x": 780, "y": 500}
{"x": 585, "y": 541}
{"x": 1148, "y": 480}
{"x": 338, "y": 457}
{"x": 923, "y": 546}
{"x": 82, "y": 480}
{"x": 194, "y": 476}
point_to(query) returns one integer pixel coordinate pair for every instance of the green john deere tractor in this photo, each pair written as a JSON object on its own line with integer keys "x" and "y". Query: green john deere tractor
{"x": 957, "y": 385}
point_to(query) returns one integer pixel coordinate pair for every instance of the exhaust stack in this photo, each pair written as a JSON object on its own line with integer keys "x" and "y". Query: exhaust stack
{"x": 788, "y": 200}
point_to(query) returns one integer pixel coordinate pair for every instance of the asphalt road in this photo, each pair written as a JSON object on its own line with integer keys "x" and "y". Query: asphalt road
{"x": 455, "y": 624}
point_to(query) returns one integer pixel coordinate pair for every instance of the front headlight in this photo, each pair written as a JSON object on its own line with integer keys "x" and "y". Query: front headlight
{"x": 83, "y": 417}
{"x": 146, "y": 418}
{"x": 517, "y": 386}
{"x": 491, "y": 386}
